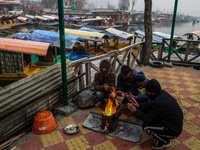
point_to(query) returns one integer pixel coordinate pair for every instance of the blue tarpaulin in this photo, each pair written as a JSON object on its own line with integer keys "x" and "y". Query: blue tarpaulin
{"x": 94, "y": 30}
{"x": 74, "y": 19}
{"x": 56, "y": 35}
{"x": 46, "y": 39}
{"x": 74, "y": 55}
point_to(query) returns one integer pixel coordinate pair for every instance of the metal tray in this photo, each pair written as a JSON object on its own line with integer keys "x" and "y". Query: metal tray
{"x": 71, "y": 129}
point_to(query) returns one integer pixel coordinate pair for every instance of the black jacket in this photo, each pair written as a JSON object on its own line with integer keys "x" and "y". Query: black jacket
{"x": 126, "y": 85}
{"x": 165, "y": 111}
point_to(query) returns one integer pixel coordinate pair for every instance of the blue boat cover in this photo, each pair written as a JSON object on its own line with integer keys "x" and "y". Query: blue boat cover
{"x": 56, "y": 35}
{"x": 95, "y": 30}
{"x": 74, "y": 55}
{"x": 45, "y": 39}
{"x": 74, "y": 19}
{"x": 157, "y": 36}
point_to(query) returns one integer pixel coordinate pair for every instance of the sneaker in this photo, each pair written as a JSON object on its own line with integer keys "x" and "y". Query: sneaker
{"x": 97, "y": 104}
{"x": 159, "y": 144}
{"x": 139, "y": 121}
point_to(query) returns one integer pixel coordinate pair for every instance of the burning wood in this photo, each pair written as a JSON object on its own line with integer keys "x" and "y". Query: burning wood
{"x": 111, "y": 115}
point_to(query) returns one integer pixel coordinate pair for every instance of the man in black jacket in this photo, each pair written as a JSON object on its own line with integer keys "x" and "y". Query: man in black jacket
{"x": 164, "y": 119}
{"x": 126, "y": 82}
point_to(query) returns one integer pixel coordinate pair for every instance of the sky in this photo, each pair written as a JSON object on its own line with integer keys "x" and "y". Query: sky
{"x": 187, "y": 7}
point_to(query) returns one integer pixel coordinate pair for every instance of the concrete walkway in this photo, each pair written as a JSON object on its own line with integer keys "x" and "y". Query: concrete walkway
{"x": 182, "y": 83}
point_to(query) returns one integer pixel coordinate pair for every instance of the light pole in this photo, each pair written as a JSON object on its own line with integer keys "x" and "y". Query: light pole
{"x": 172, "y": 30}
{"x": 62, "y": 47}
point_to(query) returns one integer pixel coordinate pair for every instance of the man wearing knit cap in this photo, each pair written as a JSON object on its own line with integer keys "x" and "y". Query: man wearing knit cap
{"x": 164, "y": 120}
{"x": 125, "y": 82}
{"x": 104, "y": 80}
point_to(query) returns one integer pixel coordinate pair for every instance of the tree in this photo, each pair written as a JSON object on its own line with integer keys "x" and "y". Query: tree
{"x": 49, "y": 3}
{"x": 124, "y": 4}
{"x": 91, "y": 6}
{"x": 148, "y": 32}
{"x": 110, "y": 6}
{"x": 133, "y": 4}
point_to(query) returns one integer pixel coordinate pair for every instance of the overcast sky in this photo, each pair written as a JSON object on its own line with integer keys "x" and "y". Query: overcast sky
{"x": 188, "y": 7}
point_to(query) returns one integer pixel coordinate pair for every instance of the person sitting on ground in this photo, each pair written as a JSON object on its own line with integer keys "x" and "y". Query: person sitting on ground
{"x": 126, "y": 82}
{"x": 103, "y": 81}
{"x": 140, "y": 94}
{"x": 164, "y": 121}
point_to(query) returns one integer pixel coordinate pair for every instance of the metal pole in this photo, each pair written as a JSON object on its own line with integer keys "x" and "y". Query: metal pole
{"x": 62, "y": 47}
{"x": 172, "y": 30}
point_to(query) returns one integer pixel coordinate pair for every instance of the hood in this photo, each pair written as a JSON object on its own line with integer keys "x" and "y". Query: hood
{"x": 105, "y": 64}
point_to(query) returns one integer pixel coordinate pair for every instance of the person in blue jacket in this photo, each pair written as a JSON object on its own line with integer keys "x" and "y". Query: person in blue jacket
{"x": 140, "y": 94}
{"x": 126, "y": 82}
{"x": 164, "y": 120}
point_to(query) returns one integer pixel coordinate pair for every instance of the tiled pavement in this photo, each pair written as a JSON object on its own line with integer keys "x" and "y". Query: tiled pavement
{"x": 182, "y": 83}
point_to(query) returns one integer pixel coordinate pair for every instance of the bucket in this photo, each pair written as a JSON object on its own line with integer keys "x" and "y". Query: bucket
{"x": 44, "y": 122}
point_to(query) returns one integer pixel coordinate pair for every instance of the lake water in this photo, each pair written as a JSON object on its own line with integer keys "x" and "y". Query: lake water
{"x": 180, "y": 28}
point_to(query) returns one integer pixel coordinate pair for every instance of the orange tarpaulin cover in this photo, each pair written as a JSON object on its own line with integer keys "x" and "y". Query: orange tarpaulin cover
{"x": 23, "y": 46}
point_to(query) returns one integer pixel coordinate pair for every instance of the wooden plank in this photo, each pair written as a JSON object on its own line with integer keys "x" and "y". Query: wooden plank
{"x": 94, "y": 67}
{"x": 88, "y": 73}
{"x": 113, "y": 64}
{"x": 129, "y": 58}
{"x": 187, "y": 51}
{"x": 81, "y": 79}
{"x": 123, "y": 60}
{"x": 77, "y": 69}
{"x": 160, "y": 52}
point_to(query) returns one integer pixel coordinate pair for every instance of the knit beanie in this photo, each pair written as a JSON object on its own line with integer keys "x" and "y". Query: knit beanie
{"x": 140, "y": 76}
{"x": 153, "y": 86}
{"x": 125, "y": 70}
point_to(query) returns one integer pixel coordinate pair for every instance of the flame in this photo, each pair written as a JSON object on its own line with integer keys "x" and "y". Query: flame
{"x": 111, "y": 105}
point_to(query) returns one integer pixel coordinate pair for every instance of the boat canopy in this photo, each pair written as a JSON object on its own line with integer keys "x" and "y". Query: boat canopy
{"x": 45, "y": 39}
{"x": 197, "y": 33}
{"x": 95, "y": 30}
{"x": 22, "y": 46}
{"x": 157, "y": 36}
{"x": 22, "y": 18}
{"x": 30, "y": 16}
{"x": 50, "y": 17}
{"x": 42, "y": 18}
{"x": 92, "y": 19}
{"x": 73, "y": 19}
{"x": 121, "y": 34}
{"x": 56, "y": 35}
{"x": 93, "y": 36}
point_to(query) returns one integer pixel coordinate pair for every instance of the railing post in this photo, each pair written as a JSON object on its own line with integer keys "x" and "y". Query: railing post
{"x": 88, "y": 73}
{"x": 81, "y": 80}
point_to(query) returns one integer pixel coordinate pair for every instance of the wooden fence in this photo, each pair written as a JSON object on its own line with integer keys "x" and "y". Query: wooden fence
{"x": 185, "y": 52}
{"x": 84, "y": 67}
{"x": 21, "y": 100}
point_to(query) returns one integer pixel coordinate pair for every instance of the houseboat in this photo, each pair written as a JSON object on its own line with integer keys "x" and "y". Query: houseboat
{"x": 20, "y": 58}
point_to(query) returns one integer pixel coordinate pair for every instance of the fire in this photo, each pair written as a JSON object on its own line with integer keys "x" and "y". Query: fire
{"x": 111, "y": 105}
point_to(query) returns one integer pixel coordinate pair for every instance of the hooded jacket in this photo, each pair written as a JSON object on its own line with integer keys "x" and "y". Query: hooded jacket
{"x": 104, "y": 77}
{"x": 164, "y": 111}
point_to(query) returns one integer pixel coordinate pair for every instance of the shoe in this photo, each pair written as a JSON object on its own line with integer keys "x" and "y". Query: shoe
{"x": 159, "y": 144}
{"x": 139, "y": 121}
{"x": 97, "y": 104}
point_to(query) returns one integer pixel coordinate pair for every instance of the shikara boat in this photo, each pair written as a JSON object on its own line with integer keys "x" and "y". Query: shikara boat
{"x": 195, "y": 35}
{"x": 93, "y": 41}
{"x": 21, "y": 58}
{"x": 117, "y": 39}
